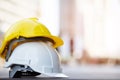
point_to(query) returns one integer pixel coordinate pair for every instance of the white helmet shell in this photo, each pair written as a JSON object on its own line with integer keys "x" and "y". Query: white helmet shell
{"x": 39, "y": 56}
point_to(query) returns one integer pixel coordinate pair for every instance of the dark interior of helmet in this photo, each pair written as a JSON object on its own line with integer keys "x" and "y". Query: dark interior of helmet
{"x": 19, "y": 71}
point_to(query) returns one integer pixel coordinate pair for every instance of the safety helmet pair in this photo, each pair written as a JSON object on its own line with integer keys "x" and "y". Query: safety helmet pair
{"x": 26, "y": 50}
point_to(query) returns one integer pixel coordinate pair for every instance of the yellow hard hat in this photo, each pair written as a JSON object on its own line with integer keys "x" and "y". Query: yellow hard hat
{"x": 28, "y": 28}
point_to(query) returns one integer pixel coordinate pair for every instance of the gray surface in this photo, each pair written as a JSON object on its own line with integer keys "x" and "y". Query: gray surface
{"x": 93, "y": 72}
{"x": 84, "y": 72}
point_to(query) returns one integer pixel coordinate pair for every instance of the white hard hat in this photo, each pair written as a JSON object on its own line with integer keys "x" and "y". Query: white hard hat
{"x": 39, "y": 56}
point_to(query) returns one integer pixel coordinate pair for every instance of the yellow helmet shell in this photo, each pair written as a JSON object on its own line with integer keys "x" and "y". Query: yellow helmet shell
{"x": 28, "y": 28}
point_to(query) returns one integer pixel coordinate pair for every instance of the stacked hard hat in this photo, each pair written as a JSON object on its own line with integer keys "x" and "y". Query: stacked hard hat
{"x": 29, "y": 49}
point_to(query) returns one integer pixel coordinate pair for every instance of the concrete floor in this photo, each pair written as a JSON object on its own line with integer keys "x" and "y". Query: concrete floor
{"x": 84, "y": 72}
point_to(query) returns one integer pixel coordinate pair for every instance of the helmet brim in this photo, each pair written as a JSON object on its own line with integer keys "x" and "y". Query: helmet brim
{"x": 55, "y": 74}
{"x": 57, "y": 41}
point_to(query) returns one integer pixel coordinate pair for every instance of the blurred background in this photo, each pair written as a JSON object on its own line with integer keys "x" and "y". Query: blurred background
{"x": 90, "y": 30}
